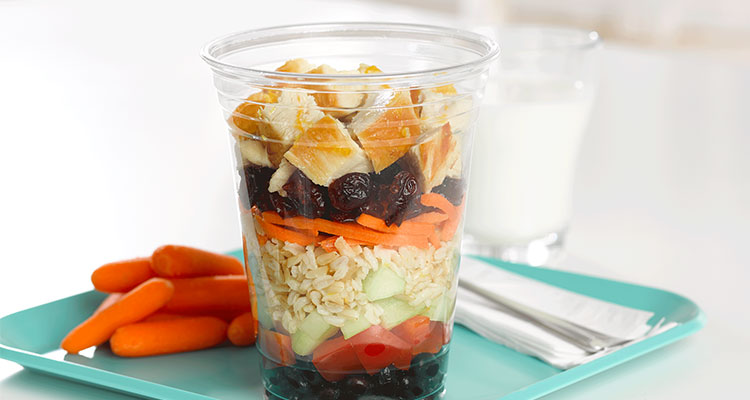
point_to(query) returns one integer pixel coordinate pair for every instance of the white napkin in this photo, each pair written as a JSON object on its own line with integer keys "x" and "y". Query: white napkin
{"x": 626, "y": 325}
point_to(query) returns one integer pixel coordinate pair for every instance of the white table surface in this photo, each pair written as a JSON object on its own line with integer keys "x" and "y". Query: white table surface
{"x": 111, "y": 146}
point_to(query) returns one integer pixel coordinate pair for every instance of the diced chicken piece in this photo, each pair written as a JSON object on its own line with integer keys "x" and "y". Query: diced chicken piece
{"x": 456, "y": 169}
{"x": 387, "y": 128}
{"x": 286, "y": 120}
{"x": 433, "y": 158}
{"x": 369, "y": 69}
{"x": 254, "y": 152}
{"x": 247, "y": 115}
{"x": 280, "y": 176}
{"x": 336, "y": 96}
{"x": 442, "y": 104}
{"x": 297, "y": 65}
{"x": 326, "y": 152}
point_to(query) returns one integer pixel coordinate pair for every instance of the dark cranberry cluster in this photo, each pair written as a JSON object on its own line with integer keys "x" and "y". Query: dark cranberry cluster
{"x": 424, "y": 377}
{"x": 392, "y": 195}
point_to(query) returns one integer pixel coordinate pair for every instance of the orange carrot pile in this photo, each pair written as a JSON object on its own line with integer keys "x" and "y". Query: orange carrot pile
{"x": 186, "y": 262}
{"x": 179, "y": 299}
{"x": 133, "y": 307}
{"x": 122, "y": 276}
{"x": 168, "y": 336}
{"x": 242, "y": 330}
{"x": 209, "y": 293}
{"x": 422, "y": 231}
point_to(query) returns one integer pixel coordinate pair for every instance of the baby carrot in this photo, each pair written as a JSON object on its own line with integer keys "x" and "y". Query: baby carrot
{"x": 168, "y": 336}
{"x": 121, "y": 276}
{"x": 134, "y": 306}
{"x": 242, "y": 330}
{"x": 209, "y": 293}
{"x": 173, "y": 261}
{"x": 111, "y": 299}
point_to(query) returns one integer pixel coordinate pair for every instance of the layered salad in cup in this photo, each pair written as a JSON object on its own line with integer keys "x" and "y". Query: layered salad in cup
{"x": 351, "y": 199}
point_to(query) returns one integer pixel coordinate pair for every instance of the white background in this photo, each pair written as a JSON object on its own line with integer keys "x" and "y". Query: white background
{"x": 113, "y": 144}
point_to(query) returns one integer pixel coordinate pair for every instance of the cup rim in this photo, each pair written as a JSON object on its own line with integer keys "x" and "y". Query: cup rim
{"x": 588, "y": 39}
{"x": 235, "y": 41}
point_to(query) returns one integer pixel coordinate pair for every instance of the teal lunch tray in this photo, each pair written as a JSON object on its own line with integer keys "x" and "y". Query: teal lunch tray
{"x": 478, "y": 368}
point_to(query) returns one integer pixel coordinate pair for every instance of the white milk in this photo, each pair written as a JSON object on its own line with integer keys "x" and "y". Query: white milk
{"x": 524, "y": 155}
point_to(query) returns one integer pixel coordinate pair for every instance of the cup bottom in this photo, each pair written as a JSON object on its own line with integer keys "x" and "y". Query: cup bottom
{"x": 544, "y": 250}
{"x": 425, "y": 379}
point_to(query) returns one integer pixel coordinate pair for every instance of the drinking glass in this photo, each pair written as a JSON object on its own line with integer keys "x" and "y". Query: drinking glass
{"x": 533, "y": 118}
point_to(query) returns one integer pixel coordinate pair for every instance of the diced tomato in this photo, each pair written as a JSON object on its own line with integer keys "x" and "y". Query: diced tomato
{"x": 276, "y": 346}
{"x": 335, "y": 358}
{"x": 433, "y": 342}
{"x": 377, "y": 348}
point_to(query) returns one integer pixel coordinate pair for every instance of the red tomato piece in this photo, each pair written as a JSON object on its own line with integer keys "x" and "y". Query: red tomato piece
{"x": 276, "y": 346}
{"x": 378, "y": 348}
{"x": 432, "y": 342}
{"x": 335, "y": 358}
{"x": 414, "y": 330}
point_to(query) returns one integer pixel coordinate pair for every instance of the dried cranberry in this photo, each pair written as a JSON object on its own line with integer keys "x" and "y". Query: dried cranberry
{"x": 285, "y": 206}
{"x": 309, "y": 198}
{"x": 253, "y": 183}
{"x": 452, "y": 189}
{"x": 350, "y": 191}
{"x": 386, "y": 176}
{"x": 401, "y": 192}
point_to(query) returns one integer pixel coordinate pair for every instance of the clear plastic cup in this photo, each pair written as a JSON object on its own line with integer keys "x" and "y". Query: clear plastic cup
{"x": 351, "y": 188}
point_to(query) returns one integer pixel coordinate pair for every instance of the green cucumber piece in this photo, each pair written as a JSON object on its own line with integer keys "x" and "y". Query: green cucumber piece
{"x": 313, "y": 331}
{"x": 396, "y": 311}
{"x": 442, "y": 309}
{"x": 382, "y": 284}
{"x": 355, "y": 326}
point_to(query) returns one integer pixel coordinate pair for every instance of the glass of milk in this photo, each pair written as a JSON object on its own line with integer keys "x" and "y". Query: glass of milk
{"x": 534, "y": 115}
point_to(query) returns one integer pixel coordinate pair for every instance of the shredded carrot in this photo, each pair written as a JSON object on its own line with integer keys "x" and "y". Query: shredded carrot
{"x": 357, "y": 232}
{"x": 261, "y": 239}
{"x": 451, "y": 225}
{"x": 406, "y": 228}
{"x": 438, "y": 201}
{"x": 301, "y": 223}
{"x": 434, "y": 239}
{"x": 429, "y": 218}
{"x": 287, "y": 235}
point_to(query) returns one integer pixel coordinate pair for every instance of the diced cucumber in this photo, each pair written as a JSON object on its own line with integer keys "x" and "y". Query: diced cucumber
{"x": 396, "y": 311}
{"x": 383, "y": 283}
{"x": 313, "y": 331}
{"x": 441, "y": 309}
{"x": 355, "y": 326}
{"x": 314, "y": 325}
